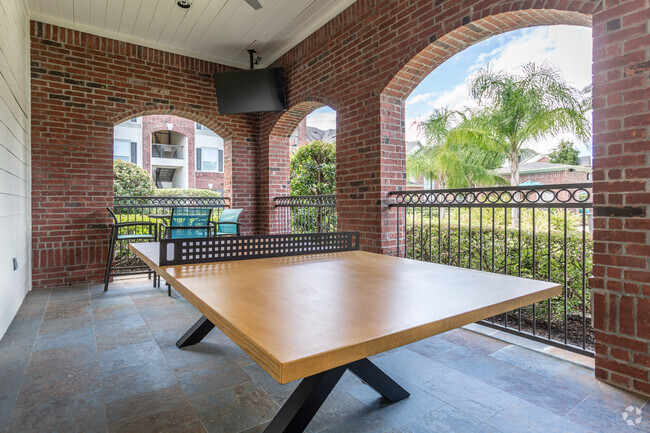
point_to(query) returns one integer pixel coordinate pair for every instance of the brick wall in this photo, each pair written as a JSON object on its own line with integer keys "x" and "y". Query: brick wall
{"x": 82, "y": 85}
{"x": 621, "y": 286}
{"x": 203, "y": 180}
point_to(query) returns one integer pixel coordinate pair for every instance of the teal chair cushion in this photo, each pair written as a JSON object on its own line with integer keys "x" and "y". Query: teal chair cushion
{"x": 190, "y": 217}
{"x": 228, "y": 215}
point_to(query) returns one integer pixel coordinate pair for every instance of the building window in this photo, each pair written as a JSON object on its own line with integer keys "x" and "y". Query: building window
{"x": 200, "y": 127}
{"x": 125, "y": 150}
{"x": 134, "y": 120}
{"x": 209, "y": 159}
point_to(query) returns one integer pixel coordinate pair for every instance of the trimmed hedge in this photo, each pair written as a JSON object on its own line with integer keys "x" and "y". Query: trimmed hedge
{"x": 185, "y": 192}
{"x": 510, "y": 253}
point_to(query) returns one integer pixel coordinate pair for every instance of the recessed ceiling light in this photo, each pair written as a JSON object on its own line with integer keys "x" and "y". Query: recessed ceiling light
{"x": 185, "y": 4}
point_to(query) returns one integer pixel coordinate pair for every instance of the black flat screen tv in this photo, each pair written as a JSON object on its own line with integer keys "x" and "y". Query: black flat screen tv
{"x": 250, "y": 91}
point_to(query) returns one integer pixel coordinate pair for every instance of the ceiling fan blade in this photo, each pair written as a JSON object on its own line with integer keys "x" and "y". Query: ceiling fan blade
{"x": 255, "y": 4}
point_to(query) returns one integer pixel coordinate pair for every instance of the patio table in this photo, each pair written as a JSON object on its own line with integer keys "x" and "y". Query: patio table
{"x": 313, "y": 306}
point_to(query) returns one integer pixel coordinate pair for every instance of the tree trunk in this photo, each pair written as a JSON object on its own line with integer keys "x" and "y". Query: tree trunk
{"x": 514, "y": 181}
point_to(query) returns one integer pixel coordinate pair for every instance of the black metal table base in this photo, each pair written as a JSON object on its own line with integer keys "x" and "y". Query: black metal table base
{"x": 296, "y": 414}
{"x": 196, "y": 333}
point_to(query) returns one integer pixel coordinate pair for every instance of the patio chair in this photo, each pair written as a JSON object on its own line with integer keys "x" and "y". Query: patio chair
{"x": 227, "y": 224}
{"x": 184, "y": 223}
{"x": 151, "y": 235}
{"x": 188, "y": 222}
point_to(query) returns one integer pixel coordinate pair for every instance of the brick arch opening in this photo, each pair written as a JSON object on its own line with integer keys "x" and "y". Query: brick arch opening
{"x": 156, "y": 118}
{"x": 208, "y": 121}
{"x": 422, "y": 61}
{"x": 276, "y": 154}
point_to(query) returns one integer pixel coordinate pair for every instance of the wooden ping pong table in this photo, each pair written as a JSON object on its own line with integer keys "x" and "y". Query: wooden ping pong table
{"x": 311, "y": 306}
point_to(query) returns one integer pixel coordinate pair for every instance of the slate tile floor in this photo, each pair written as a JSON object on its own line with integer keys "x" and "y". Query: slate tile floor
{"x": 76, "y": 359}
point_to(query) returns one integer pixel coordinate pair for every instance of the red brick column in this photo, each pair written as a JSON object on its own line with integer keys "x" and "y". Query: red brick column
{"x": 621, "y": 283}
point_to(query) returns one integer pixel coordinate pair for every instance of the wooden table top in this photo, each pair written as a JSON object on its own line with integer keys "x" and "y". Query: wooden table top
{"x": 301, "y": 315}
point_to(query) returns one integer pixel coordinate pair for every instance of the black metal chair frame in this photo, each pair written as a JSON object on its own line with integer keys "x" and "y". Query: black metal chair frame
{"x": 115, "y": 236}
{"x": 215, "y": 224}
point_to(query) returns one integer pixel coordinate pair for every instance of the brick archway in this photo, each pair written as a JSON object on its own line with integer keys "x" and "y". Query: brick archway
{"x": 187, "y": 116}
{"x": 423, "y": 60}
{"x": 415, "y": 67}
{"x": 275, "y": 155}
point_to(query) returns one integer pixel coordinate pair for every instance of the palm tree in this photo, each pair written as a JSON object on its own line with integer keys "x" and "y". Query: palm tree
{"x": 518, "y": 110}
{"x": 452, "y": 165}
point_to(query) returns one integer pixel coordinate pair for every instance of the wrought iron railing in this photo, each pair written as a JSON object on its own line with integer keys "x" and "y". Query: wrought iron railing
{"x": 152, "y": 209}
{"x": 306, "y": 213}
{"x": 541, "y": 232}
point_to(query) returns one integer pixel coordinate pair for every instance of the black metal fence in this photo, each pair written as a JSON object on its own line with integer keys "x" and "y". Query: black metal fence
{"x": 306, "y": 213}
{"x": 152, "y": 209}
{"x": 541, "y": 232}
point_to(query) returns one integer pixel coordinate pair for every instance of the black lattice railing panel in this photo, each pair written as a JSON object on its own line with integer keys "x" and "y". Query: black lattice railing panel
{"x": 135, "y": 202}
{"x": 546, "y": 196}
{"x": 208, "y": 250}
{"x": 327, "y": 200}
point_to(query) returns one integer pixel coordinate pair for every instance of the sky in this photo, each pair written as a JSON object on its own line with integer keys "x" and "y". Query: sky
{"x": 566, "y": 47}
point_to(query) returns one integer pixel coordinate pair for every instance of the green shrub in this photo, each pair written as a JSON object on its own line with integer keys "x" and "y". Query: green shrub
{"x": 313, "y": 169}
{"x": 129, "y": 180}
{"x": 508, "y": 251}
{"x": 185, "y": 192}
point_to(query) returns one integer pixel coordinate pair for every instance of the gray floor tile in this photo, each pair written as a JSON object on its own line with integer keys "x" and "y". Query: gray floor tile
{"x": 177, "y": 415}
{"x": 75, "y": 413}
{"x": 235, "y": 409}
{"x": 402, "y": 412}
{"x": 207, "y": 377}
{"x": 535, "y": 362}
{"x": 83, "y": 336}
{"x": 470, "y": 395}
{"x": 108, "y": 311}
{"x": 62, "y": 308}
{"x": 140, "y": 354}
{"x": 415, "y": 368}
{"x": 66, "y": 324}
{"x": 192, "y": 427}
{"x": 431, "y": 347}
{"x": 448, "y": 419}
{"x": 196, "y": 354}
{"x": 110, "y": 339}
{"x": 473, "y": 363}
{"x": 136, "y": 380}
{"x": 539, "y": 390}
{"x": 145, "y": 403}
{"x": 584, "y": 379}
{"x": 58, "y": 373}
{"x": 526, "y": 417}
{"x": 606, "y": 415}
{"x": 474, "y": 341}
{"x": 366, "y": 423}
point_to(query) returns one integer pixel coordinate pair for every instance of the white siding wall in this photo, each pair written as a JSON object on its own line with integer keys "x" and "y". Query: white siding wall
{"x": 15, "y": 160}
{"x": 131, "y": 131}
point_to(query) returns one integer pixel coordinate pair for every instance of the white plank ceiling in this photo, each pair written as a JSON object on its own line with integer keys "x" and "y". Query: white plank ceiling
{"x": 217, "y": 30}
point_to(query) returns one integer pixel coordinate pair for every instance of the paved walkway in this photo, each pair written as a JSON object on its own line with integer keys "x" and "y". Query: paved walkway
{"x": 77, "y": 359}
